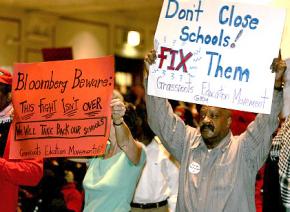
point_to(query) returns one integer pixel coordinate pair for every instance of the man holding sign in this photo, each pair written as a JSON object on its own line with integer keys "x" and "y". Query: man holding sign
{"x": 216, "y": 53}
{"x": 217, "y": 170}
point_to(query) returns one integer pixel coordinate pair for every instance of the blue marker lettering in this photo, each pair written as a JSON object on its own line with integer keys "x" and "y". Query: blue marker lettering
{"x": 227, "y": 16}
{"x": 239, "y": 72}
{"x": 183, "y": 14}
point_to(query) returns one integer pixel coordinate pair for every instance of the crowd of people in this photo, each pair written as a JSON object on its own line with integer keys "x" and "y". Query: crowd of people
{"x": 160, "y": 156}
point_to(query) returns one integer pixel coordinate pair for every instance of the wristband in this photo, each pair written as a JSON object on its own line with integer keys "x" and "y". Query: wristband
{"x": 119, "y": 124}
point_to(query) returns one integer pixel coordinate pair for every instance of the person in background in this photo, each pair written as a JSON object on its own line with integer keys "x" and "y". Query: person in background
{"x": 135, "y": 95}
{"x": 13, "y": 173}
{"x": 49, "y": 196}
{"x": 240, "y": 122}
{"x": 111, "y": 179}
{"x": 185, "y": 114}
{"x": 280, "y": 151}
{"x": 158, "y": 185}
{"x": 72, "y": 196}
{"x": 271, "y": 188}
{"x": 217, "y": 170}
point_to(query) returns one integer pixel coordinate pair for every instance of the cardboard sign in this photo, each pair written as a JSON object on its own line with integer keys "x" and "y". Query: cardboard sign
{"x": 216, "y": 53}
{"x": 62, "y": 108}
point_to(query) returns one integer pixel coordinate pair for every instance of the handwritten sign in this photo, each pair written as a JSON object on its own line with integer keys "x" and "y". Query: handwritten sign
{"x": 216, "y": 53}
{"x": 62, "y": 108}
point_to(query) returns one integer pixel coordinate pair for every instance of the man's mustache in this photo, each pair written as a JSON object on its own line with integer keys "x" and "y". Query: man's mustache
{"x": 207, "y": 126}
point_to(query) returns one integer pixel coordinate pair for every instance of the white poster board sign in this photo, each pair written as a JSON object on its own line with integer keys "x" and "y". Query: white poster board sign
{"x": 216, "y": 53}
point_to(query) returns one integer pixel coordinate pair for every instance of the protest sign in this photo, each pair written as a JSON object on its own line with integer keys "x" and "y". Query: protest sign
{"x": 216, "y": 53}
{"x": 61, "y": 108}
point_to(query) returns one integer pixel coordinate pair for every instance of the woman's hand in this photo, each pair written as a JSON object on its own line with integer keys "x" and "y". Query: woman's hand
{"x": 123, "y": 135}
{"x": 118, "y": 111}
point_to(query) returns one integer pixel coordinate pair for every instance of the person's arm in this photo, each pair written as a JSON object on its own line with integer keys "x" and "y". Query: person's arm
{"x": 124, "y": 138}
{"x": 165, "y": 124}
{"x": 258, "y": 136}
{"x": 21, "y": 172}
{"x": 171, "y": 173}
{"x": 286, "y": 129}
{"x": 283, "y": 136}
{"x": 278, "y": 141}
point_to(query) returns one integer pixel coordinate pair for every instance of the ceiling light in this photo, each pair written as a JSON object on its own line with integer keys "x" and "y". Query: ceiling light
{"x": 133, "y": 38}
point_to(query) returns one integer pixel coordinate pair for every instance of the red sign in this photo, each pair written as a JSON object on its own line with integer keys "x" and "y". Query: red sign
{"x": 62, "y": 108}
